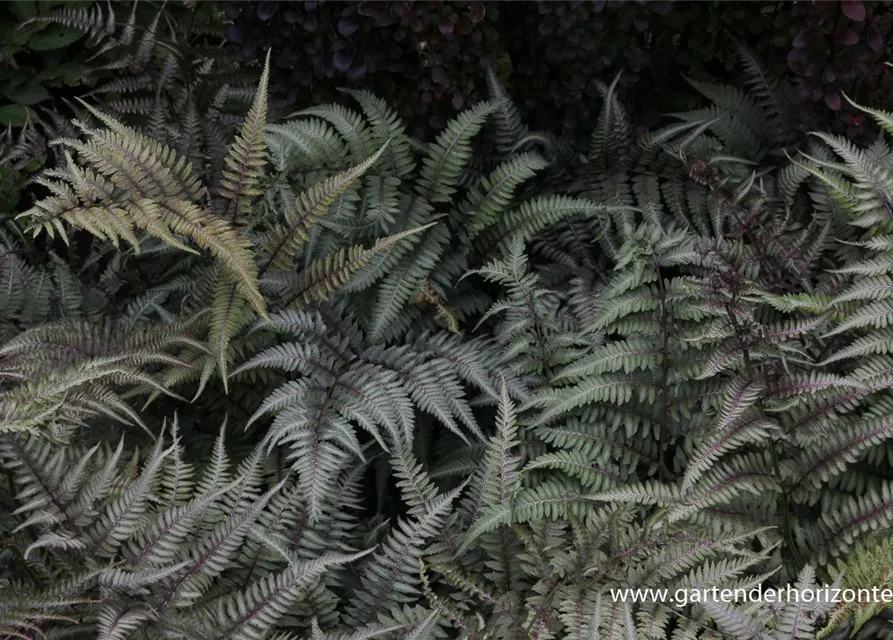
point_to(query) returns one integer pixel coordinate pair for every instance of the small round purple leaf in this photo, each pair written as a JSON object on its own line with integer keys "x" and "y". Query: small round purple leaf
{"x": 853, "y": 9}
{"x": 832, "y": 99}
{"x": 266, "y": 10}
{"x": 348, "y": 26}
{"x": 847, "y": 37}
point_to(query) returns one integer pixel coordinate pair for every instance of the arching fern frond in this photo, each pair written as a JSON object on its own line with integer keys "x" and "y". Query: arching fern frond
{"x": 137, "y": 182}
{"x": 445, "y": 160}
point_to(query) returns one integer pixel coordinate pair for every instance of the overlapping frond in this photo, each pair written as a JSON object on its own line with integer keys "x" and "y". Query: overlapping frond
{"x": 135, "y": 183}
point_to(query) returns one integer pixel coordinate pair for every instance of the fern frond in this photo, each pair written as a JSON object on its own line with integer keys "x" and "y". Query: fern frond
{"x": 153, "y": 190}
{"x": 487, "y": 202}
{"x": 327, "y": 275}
{"x": 309, "y": 208}
{"x": 445, "y": 160}
{"x": 246, "y": 157}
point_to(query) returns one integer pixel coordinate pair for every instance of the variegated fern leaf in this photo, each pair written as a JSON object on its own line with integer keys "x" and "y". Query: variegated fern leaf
{"x": 162, "y": 548}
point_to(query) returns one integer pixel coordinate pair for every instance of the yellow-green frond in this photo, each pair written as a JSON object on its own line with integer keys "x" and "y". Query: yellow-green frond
{"x": 247, "y": 156}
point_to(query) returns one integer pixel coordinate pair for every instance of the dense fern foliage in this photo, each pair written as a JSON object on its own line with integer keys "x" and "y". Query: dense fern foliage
{"x": 135, "y": 58}
{"x": 309, "y": 377}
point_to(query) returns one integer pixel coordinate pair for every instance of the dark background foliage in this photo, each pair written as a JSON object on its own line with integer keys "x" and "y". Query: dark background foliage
{"x": 56, "y": 51}
{"x": 39, "y": 65}
{"x": 427, "y": 56}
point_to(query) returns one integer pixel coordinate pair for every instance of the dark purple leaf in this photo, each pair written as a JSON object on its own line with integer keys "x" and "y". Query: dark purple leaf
{"x": 832, "y": 99}
{"x": 458, "y": 101}
{"x": 795, "y": 60}
{"x": 437, "y": 75}
{"x": 290, "y": 17}
{"x": 437, "y": 121}
{"x": 266, "y": 10}
{"x": 847, "y": 37}
{"x": 232, "y": 11}
{"x": 875, "y": 40}
{"x": 285, "y": 59}
{"x": 661, "y": 8}
{"x": 445, "y": 26}
{"x": 249, "y": 50}
{"x": 378, "y": 11}
{"x": 233, "y": 34}
{"x": 325, "y": 68}
{"x": 371, "y": 9}
{"x": 357, "y": 71}
{"x": 802, "y": 39}
{"x": 853, "y": 9}
{"x": 309, "y": 22}
{"x": 477, "y": 12}
{"x": 302, "y": 76}
{"x": 348, "y": 26}
{"x": 829, "y": 75}
{"x": 341, "y": 60}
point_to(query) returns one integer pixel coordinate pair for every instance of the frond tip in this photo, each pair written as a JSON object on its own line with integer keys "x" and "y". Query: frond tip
{"x": 247, "y": 156}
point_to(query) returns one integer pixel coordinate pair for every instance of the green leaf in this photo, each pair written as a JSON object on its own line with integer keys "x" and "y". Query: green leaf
{"x": 15, "y": 38}
{"x": 22, "y": 9}
{"x": 56, "y": 36}
{"x": 27, "y": 94}
{"x": 47, "y": 5}
{"x": 13, "y": 114}
{"x": 66, "y": 73}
